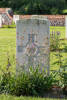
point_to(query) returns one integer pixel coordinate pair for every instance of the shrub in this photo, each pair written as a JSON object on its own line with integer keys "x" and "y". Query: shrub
{"x": 32, "y": 83}
{"x": 64, "y": 82}
{"x": 7, "y": 83}
{"x": 54, "y": 40}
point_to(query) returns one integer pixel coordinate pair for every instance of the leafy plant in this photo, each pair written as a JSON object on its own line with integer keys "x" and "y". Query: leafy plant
{"x": 63, "y": 76}
{"x": 54, "y": 40}
{"x": 32, "y": 83}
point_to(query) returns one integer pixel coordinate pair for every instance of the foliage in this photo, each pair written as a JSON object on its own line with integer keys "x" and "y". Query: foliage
{"x": 35, "y": 6}
{"x": 10, "y": 26}
{"x": 6, "y": 83}
{"x": 54, "y": 11}
{"x": 63, "y": 76}
{"x": 8, "y": 45}
{"x": 64, "y": 11}
{"x": 9, "y": 97}
{"x": 54, "y": 40}
{"x": 10, "y": 86}
{"x": 33, "y": 83}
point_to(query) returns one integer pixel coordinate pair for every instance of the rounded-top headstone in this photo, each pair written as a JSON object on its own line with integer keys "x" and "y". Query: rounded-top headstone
{"x": 41, "y": 17}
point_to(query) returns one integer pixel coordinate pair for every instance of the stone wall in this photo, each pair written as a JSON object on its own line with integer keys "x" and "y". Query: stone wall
{"x": 55, "y": 20}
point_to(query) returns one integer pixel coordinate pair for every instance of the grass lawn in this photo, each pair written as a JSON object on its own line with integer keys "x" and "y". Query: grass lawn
{"x": 53, "y": 57}
{"x": 8, "y": 48}
{"x": 8, "y": 97}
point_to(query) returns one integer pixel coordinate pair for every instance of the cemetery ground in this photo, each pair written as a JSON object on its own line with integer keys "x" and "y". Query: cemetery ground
{"x": 8, "y": 48}
{"x": 8, "y": 97}
{"x": 8, "y": 55}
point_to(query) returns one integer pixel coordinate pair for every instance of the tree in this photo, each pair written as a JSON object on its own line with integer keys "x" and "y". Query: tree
{"x": 35, "y": 6}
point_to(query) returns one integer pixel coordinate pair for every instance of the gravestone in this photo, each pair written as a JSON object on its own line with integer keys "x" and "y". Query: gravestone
{"x": 0, "y": 21}
{"x": 33, "y": 46}
{"x": 15, "y": 18}
{"x": 66, "y": 26}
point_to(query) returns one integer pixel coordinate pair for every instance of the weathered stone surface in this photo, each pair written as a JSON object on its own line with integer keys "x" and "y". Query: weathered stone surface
{"x": 66, "y": 26}
{"x": 33, "y": 43}
{"x": 15, "y": 18}
{"x": 0, "y": 21}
